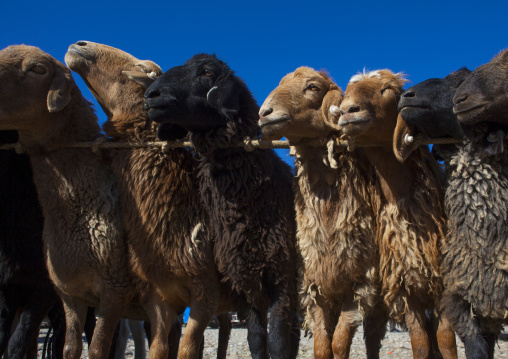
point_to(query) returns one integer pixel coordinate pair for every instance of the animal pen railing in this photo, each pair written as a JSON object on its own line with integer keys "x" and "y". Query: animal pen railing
{"x": 248, "y": 144}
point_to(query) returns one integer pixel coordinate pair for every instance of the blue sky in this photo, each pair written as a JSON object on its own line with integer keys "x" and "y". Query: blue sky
{"x": 264, "y": 40}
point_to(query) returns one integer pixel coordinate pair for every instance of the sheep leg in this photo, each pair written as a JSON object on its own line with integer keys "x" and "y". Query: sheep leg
{"x": 199, "y": 317}
{"x": 350, "y": 318}
{"x": 7, "y": 315}
{"x": 415, "y": 321}
{"x": 161, "y": 318}
{"x": 75, "y": 314}
{"x": 375, "y": 330}
{"x": 281, "y": 320}
{"x": 123, "y": 337}
{"x": 256, "y": 333}
{"x": 111, "y": 309}
{"x": 458, "y": 312}
{"x": 321, "y": 317}
{"x": 138, "y": 335}
{"x": 224, "y": 334}
{"x": 446, "y": 339}
{"x": 295, "y": 336}
{"x": 27, "y": 330}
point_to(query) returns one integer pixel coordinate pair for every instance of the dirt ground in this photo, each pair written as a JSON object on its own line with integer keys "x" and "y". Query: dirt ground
{"x": 395, "y": 345}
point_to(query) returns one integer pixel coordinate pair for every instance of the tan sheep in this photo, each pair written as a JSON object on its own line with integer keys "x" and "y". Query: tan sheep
{"x": 166, "y": 227}
{"x": 410, "y": 214}
{"x": 83, "y": 240}
{"x": 336, "y": 229}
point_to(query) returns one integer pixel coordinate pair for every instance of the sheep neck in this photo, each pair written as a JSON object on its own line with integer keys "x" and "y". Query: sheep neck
{"x": 479, "y": 183}
{"x": 75, "y": 123}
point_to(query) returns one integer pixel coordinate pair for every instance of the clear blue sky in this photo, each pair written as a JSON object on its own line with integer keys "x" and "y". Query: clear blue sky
{"x": 264, "y": 40}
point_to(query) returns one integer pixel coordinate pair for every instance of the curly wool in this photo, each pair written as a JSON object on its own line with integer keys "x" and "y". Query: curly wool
{"x": 475, "y": 264}
{"x": 410, "y": 235}
{"x": 250, "y": 202}
{"x": 336, "y": 233}
{"x": 159, "y": 195}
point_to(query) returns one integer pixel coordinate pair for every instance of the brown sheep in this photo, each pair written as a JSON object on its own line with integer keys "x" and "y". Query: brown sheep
{"x": 83, "y": 241}
{"x": 336, "y": 229}
{"x": 410, "y": 215}
{"x": 166, "y": 227}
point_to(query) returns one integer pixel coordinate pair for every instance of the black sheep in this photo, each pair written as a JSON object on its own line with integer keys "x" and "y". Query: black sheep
{"x": 247, "y": 194}
{"x": 24, "y": 281}
{"x": 475, "y": 266}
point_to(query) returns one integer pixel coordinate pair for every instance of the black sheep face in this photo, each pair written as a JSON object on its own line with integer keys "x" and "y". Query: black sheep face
{"x": 426, "y": 110}
{"x": 200, "y": 95}
{"x": 483, "y": 97}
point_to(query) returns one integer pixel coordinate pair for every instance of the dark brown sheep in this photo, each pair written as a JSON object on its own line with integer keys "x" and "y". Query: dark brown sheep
{"x": 24, "y": 280}
{"x": 166, "y": 227}
{"x": 336, "y": 228}
{"x": 83, "y": 241}
{"x": 409, "y": 217}
{"x": 247, "y": 195}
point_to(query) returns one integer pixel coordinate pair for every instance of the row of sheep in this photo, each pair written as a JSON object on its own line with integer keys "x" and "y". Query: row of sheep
{"x": 369, "y": 233}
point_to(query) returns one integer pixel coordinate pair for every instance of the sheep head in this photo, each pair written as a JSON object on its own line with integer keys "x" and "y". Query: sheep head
{"x": 106, "y": 70}
{"x": 426, "y": 110}
{"x": 300, "y": 106}
{"x": 201, "y": 95}
{"x": 369, "y": 109}
{"x": 483, "y": 97}
{"x": 34, "y": 86}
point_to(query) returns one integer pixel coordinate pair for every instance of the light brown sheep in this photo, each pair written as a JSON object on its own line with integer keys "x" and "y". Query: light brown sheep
{"x": 409, "y": 216}
{"x": 83, "y": 241}
{"x": 166, "y": 227}
{"x": 336, "y": 229}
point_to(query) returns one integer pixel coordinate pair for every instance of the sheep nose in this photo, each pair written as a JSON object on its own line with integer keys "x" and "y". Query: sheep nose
{"x": 81, "y": 43}
{"x": 152, "y": 93}
{"x": 409, "y": 93}
{"x": 266, "y": 111}
{"x": 353, "y": 108}
{"x": 460, "y": 99}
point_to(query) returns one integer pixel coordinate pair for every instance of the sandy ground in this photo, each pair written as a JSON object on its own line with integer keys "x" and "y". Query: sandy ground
{"x": 395, "y": 345}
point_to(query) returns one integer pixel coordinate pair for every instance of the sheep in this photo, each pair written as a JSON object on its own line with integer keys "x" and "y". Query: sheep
{"x": 83, "y": 240}
{"x": 426, "y": 110}
{"x": 474, "y": 257}
{"x": 247, "y": 195}
{"x": 409, "y": 216}
{"x": 335, "y": 220}
{"x": 24, "y": 280}
{"x": 166, "y": 227}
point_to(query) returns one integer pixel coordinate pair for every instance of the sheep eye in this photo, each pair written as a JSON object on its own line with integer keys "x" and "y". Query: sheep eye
{"x": 38, "y": 69}
{"x": 208, "y": 73}
{"x": 312, "y": 87}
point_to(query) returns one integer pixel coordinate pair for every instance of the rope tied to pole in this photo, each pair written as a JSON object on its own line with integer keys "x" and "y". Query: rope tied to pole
{"x": 248, "y": 144}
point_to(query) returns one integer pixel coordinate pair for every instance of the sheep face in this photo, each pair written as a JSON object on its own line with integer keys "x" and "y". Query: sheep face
{"x": 201, "y": 95}
{"x": 369, "y": 109}
{"x": 300, "y": 106}
{"x": 33, "y": 86}
{"x": 483, "y": 97}
{"x": 107, "y": 71}
{"x": 426, "y": 109}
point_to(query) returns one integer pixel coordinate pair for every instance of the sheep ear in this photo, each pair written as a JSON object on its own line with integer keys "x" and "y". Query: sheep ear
{"x": 142, "y": 79}
{"x": 330, "y": 107}
{"x": 225, "y": 96}
{"x": 59, "y": 94}
{"x": 150, "y": 67}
